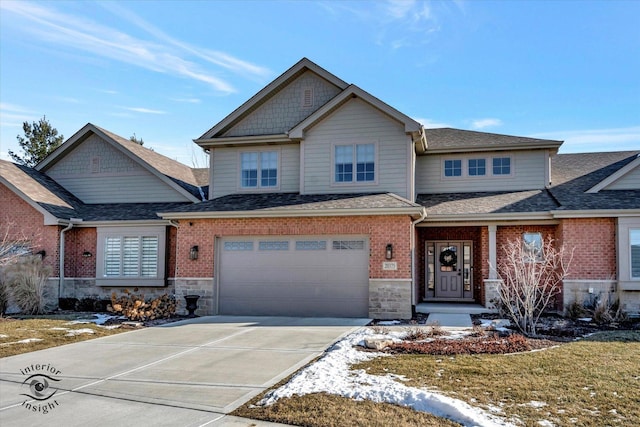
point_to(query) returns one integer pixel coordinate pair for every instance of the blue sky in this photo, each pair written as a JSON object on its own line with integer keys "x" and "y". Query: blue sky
{"x": 168, "y": 71}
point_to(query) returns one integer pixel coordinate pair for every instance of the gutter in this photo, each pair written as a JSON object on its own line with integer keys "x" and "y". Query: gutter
{"x": 283, "y": 213}
{"x": 70, "y": 224}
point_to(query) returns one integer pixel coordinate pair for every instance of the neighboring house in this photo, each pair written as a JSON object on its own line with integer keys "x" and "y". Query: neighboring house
{"x": 322, "y": 200}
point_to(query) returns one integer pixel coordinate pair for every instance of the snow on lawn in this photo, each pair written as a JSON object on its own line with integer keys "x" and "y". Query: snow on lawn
{"x": 332, "y": 374}
{"x": 98, "y": 319}
{"x": 24, "y": 341}
{"x": 74, "y": 332}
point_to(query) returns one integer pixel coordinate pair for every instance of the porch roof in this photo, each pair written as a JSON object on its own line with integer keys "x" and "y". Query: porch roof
{"x": 488, "y": 202}
{"x": 296, "y": 204}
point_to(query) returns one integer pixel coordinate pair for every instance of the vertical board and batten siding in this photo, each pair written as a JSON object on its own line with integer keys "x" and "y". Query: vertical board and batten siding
{"x": 629, "y": 181}
{"x": 527, "y": 173}
{"x": 112, "y": 182}
{"x": 285, "y": 109}
{"x": 358, "y": 123}
{"x": 226, "y": 170}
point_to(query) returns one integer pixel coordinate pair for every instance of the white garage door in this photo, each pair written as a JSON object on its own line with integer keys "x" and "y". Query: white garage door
{"x": 294, "y": 276}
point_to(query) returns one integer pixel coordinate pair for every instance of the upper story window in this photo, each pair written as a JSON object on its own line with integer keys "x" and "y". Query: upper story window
{"x": 477, "y": 167}
{"x": 634, "y": 243}
{"x": 364, "y": 157}
{"x": 259, "y": 169}
{"x": 453, "y": 168}
{"x": 502, "y": 165}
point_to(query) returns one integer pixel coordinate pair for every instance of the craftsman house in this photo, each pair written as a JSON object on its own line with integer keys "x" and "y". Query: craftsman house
{"x": 322, "y": 200}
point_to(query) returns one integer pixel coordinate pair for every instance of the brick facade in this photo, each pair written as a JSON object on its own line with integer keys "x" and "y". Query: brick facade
{"x": 593, "y": 241}
{"x": 23, "y": 221}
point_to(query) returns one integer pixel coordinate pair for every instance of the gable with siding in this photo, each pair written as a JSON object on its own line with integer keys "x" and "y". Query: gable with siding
{"x": 295, "y": 102}
{"x": 95, "y": 172}
{"x": 358, "y": 122}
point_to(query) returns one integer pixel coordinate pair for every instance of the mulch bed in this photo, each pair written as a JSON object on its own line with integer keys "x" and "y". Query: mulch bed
{"x": 492, "y": 344}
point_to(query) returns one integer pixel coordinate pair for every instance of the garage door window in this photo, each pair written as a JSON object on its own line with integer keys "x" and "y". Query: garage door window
{"x": 282, "y": 245}
{"x": 348, "y": 245}
{"x": 238, "y": 246}
{"x": 311, "y": 245}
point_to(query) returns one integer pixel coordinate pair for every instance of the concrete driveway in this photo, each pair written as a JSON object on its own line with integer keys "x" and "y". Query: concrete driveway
{"x": 188, "y": 373}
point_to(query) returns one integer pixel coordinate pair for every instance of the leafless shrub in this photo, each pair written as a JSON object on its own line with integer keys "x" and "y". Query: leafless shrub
{"x": 529, "y": 286}
{"x": 13, "y": 244}
{"x": 4, "y": 292}
{"x": 380, "y": 329}
{"x": 26, "y": 279}
{"x": 435, "y": 330}
{"x": 415, "y": 334}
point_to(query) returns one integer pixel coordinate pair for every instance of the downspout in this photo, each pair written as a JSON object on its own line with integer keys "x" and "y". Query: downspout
{"x": 61, "y": 253}
{"x": 423, "y": 215}
{"x": 175, "y": 224}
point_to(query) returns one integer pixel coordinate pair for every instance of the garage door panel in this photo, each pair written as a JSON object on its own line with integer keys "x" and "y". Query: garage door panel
{"x": 314, "y": 276}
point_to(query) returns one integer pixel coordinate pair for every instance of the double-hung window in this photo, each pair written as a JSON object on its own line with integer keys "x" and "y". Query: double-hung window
{"x": 259, "y": 169}
{"x": 364, "y": 157}
{"x": 132, "y": 255}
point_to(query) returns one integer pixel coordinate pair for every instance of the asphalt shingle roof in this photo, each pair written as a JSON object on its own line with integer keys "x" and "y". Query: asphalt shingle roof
{"x": 487, "y": 202}
{"x": 448, "y": 139}
{"x": 296, "y": 201}
{"x": 41, "y": 189}
{"x": 574, "y": 174}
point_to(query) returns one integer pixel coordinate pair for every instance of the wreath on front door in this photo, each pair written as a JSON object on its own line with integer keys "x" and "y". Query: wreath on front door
{"x": 448, "y": 258}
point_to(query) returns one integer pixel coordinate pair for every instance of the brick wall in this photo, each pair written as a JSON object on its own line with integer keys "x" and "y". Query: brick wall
{"x": 381, "y": 229}
{"x": 76, "y": 242}
{"x": 593, "y": 241}
{"x": 23, "y": 220}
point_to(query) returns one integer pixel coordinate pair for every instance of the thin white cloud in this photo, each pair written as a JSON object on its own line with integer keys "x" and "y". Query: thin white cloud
{"x": 431, "y": 124}
{"x": 109, "y": 91}
{"x": 215, "y": 57}
{"x": 13, "y": 115}
{"x": 485, "y": 123}
{"x": 395, "y": 23}
{"x": 144, "y": 110}
{"x": 85, "y": 35}
{"x": 590, "y": 140}
{"x": 187, "y": 100}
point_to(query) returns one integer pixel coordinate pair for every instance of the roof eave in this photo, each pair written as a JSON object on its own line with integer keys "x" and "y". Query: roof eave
{"x": 595, "y": 213}
{"x": 414, "y": 212}
{"x": 231, "y": 141}
{"x": 492, "y": 148}
{"x": 49, "y": 218}
{"x": 515, "y": 216}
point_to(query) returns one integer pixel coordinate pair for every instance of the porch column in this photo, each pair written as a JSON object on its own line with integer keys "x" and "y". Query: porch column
{"x": 493, "y": 258}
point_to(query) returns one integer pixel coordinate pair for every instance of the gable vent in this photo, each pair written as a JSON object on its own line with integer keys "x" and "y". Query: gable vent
{"x": 307, "y": 98}
{"x": 95, "y": 165}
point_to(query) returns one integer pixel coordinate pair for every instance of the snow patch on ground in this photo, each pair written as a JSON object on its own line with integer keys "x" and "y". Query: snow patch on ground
{"x": 74, "y": 332}
{"x": 24, "y": 341}
{"x": 332, "y": 374}
{"x": 546, "y": 423}
{"x": 4, "y": 336}
{"x": 98, "y": 319}
{"x": 389, "y": 322}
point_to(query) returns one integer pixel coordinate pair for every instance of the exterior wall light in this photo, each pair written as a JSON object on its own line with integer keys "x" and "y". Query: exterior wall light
{"x": 193, "y": 253}
{"x": 388, "y": 254}
{"x": 87, "y": 254}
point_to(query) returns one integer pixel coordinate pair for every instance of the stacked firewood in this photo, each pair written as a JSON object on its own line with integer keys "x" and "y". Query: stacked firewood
{"x": 134, "y": 307}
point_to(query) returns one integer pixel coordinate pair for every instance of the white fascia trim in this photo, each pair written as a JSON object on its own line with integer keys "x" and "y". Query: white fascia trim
{"x": 231, "y": 141}
{"x": 615, "y": 176}
{"x": 276, "y": 213}
{"x": 391, "y": 280}
{"x": 487, "y": 223}
{"x": 534, "y": 216}
{"x": 490, "y": 148}
{"x": 138, "y": 223}
{"x": 596, "y": 213}
{"x": 49, "y": 219}
{"x": 69, "y": 143}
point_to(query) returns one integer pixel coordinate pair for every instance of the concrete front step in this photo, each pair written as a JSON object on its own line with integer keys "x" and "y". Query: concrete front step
{"x": 452, "y": 308}
{"x": 450, "y": 320}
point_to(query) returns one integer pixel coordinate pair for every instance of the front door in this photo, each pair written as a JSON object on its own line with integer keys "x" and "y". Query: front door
{"x": 448, "y": 266}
